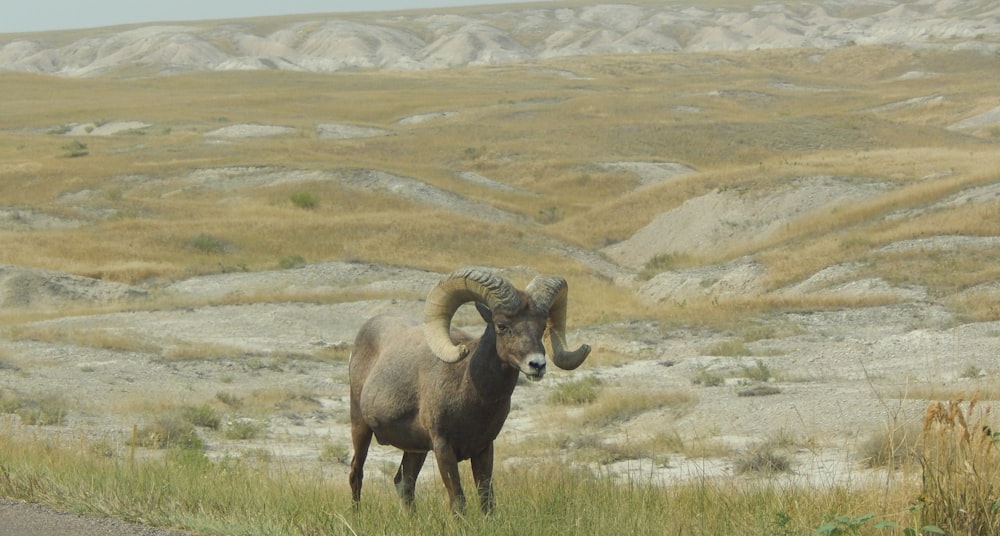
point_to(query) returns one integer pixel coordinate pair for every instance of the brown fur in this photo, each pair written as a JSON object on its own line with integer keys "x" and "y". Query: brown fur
{"x": 406, "y": 397}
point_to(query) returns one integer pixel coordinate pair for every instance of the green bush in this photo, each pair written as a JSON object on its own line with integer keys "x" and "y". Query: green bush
{"x": 46, "y": 411}
{"x": 759, "y": 372}
{"x": 207, "y": 243}
{"x": 204, "y": 416}
{"x": 168, "y": 431}
{"x": 75, "y": 149}
{"x": 707, "y": 378}
{"x": 49, "y": 410}
{"x": 291, "y": 261}
{"x": 306, "y": 200}
{"x": 729, "y": 349}
{"x": 242, "y": 429}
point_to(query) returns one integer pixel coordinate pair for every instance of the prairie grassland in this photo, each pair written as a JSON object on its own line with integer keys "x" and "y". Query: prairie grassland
{"x": 519, "y": 125}
{"x": 131, "y": 208}
{"x": 538, "y": 499}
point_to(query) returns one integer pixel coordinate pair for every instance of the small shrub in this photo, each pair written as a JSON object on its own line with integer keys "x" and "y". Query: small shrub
{"x": 729, "y": 349}
{"x": 335, "y": 452}
{"x": 662, "y": 263}
{"x": 243, "y": 429}
{"x": 306, "y": 200}
{"x": 46, "y": 411}
{"x": 971, "y": 371}
{"x": 168, "y": 431}
{"x": 75, "y": 149}
{"x": 759, "y": 390}
{"x": 204, "y": 416}
{"x": 291, "y": 261}
{"x": 207, "y": 243}
{"x": 229, "y": 399}
{"x": 890, "y": 448}
{"x": 9, "y": 401}
{"x": 578, "y": 392}
{"x": 707, "y": 378}
{"x": 762, "y": 459}
{"x": 759, "y": 372}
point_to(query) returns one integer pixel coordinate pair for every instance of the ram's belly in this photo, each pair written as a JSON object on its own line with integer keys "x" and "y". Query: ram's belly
{"x": 392, "y": 414}
{"x": 404, "y": 435}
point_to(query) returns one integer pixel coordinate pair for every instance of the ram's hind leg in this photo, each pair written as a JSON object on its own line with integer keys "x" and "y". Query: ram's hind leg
{"x": 406, "y": 476}
{"x": 361, "y": 437}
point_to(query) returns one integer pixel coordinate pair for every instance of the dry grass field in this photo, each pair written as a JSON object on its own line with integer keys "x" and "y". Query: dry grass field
{"x": 780, "y": 256}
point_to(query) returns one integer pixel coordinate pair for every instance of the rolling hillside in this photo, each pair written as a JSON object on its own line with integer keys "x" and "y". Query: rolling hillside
{"x": 785, "y": 215}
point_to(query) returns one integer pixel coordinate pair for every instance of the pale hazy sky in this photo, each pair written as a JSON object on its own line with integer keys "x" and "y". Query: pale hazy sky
{"x": 39, "y": 15}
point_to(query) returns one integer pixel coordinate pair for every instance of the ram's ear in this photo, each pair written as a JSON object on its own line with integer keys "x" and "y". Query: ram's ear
{"x": 485, "y": 312}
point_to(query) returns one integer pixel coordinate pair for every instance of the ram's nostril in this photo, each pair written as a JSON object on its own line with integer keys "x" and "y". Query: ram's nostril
{"x": 537, "y": 364}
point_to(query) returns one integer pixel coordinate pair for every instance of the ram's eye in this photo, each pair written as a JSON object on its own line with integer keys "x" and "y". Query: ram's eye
{"x": 502, "y": 328}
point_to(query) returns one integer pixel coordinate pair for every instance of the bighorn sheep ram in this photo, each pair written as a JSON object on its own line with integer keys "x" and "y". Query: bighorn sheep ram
{"x": 427, "y": 387}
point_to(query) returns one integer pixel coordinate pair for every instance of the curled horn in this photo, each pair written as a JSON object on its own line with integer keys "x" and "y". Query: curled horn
{"x": 460, "y": 287}
{"x": 550, "y": 293}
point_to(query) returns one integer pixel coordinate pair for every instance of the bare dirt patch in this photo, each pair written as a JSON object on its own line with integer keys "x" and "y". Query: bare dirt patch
{"x": 719, "y": 221}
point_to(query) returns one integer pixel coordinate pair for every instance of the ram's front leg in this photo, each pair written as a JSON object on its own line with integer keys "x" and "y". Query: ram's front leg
{"x": 448, "y": 466}
{"x": 482, "y": 472}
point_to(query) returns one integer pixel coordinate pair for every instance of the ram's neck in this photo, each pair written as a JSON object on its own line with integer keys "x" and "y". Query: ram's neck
{"x": 490, "y": 379}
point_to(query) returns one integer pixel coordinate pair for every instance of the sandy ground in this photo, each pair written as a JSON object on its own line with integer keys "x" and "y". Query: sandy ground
{"x": 23, "y": 519}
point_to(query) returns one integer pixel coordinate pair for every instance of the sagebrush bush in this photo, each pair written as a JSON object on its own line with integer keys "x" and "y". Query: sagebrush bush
{"x": 205, "y": 416}
{"x": 42, "y": 411}
{"x": 762, "y": 458}
{"x": 243, "y": 428}
{"x": 168, "y": 431}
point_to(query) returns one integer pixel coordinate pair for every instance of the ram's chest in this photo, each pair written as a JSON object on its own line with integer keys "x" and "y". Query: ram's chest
{"x": 473, "y": 429}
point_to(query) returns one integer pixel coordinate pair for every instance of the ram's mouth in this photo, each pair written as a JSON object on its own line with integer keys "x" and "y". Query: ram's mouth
{"x": 533, "y": 374}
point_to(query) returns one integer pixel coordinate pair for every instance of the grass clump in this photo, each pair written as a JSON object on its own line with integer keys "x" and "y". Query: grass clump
{"x": 305, "y": 200}
{"x": 577, "y": 392}
{"x": 708, "y": 378}
{"x": 960, "y": 462}
{"x": 732, "y": 348}
{"x": 758, "y": 390}
{"x": 168, "y": 431}
{"x": 891, "y": 447}
{"x": 75, "y": 149}
{"x": 243, "y": 429}
{"x": 662, "y": 263}
{"x": 205, "y": 416}
{"x": 291, "y": 261}
{"x": 763, "y": 458}
{"x": 759, "y": 372}
{"x": 229, "y": 399}
{"x": 619, "y": 405}
{"x": 206, "y": 243}
{"x": 48, "y": 410}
